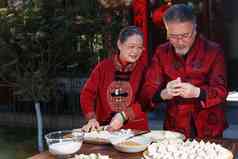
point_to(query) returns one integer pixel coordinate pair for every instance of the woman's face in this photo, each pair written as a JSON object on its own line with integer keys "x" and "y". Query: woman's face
{"x": 131, "y": 49}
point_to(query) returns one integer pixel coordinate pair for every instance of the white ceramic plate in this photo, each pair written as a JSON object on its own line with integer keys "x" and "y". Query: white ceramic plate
{"x": 141, "y": 144}
{"x": 100, "y": 137}
{"x": 157, "y": 135}
{"x": 232, "y": 96}
{"x": 105, "y": 137}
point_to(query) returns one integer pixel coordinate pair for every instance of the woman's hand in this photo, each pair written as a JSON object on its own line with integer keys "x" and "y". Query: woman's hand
{"x": 92, "y": 125}
{"x": 117, "y": 121}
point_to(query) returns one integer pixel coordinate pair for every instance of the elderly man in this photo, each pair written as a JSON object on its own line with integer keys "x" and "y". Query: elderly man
{"x": 188, "y": 74}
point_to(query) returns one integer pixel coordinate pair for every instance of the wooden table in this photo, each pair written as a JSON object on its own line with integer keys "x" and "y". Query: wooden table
{"x": 92, "y": 148}
{"x": 231, "y": 144}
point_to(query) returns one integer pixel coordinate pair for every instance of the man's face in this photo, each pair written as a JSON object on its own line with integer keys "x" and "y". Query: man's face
{"x": 181, "y": 35}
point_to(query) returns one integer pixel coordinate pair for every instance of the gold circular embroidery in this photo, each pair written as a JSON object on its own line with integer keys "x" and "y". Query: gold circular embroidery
{"x": 119, "y": 95}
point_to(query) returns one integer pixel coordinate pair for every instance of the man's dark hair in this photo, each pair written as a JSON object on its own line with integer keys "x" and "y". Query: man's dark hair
{"x": 129, "y": 31}
{"x": 180, "y": 13}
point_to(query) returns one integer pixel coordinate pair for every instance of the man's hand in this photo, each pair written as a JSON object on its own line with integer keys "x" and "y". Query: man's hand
{"x": 178, "y": 88}
{"x": 117, "y": 121}
{"x": 172, "y": 89}
{"x": 188, "y": 90}
{"x": 92, "y": 125}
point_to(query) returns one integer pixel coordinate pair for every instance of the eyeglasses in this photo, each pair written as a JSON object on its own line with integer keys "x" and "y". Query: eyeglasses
{"x": 184, "y": 36}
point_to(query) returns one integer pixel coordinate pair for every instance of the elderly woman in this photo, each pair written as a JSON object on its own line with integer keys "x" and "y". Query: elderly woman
{"x": 109, "y": 97}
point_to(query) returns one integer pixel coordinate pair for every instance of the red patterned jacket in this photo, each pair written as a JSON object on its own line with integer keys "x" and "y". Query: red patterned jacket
{"x": 112, "y": 88}
{"x": 203, "y": 67}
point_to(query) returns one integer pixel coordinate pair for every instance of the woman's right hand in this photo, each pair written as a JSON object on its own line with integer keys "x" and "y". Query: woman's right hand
{"x": 92, "y": 125}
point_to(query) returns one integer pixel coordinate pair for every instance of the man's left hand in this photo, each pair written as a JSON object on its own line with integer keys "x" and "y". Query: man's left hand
{"x": 188, "y": 90}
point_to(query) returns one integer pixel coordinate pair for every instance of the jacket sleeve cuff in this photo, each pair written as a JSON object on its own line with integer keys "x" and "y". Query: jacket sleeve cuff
{"x": 129, "y": 113}
{"x": 90, "y": 115}
{"x": 202, "y": 96}
{"x": 157, "y": 98}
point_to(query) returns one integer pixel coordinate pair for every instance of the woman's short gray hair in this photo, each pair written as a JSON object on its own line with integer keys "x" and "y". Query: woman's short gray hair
{"x": 129, "y": 31}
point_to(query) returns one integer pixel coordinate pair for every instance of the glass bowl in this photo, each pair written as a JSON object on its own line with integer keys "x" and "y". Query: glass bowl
{"x": 63, "y": 143}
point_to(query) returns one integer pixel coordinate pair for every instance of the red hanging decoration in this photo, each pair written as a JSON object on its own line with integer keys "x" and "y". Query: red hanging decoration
{"x": 157, "y": 16}
{"x": 140, "y": 19}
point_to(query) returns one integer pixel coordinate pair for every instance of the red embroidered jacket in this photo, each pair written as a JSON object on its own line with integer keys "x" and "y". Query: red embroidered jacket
{"x": 203, "y": 67}
{"x": 103, "y": 94}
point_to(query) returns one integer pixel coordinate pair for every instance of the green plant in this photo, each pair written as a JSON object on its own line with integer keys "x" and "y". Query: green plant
{"x": 44, "y": 40}
{"x": 33, "y": 50}
{"x": 35, "y": 45}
